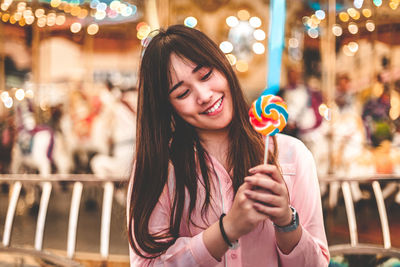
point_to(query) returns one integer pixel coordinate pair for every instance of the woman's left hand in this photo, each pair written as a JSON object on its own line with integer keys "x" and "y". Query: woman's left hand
{"x": 269, "y": 193}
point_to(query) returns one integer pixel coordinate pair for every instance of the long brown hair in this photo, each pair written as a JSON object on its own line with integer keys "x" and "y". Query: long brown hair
{"x": 163, "y": 138}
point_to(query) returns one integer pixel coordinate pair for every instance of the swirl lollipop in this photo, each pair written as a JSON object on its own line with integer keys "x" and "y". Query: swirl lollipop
{"x": 268, "y": 116}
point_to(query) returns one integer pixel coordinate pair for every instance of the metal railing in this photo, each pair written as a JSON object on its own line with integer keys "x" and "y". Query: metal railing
{"x": 16, "y": 181}
{"x": 355, "y": 247}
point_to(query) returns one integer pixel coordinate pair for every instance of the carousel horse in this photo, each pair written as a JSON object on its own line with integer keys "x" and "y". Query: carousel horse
{"x": 34, "y": 143}
{"x": 85, "y": 126}
{"x": 122, "y": 130}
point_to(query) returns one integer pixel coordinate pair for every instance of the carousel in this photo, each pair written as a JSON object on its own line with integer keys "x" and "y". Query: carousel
{"x": 68, "y": 77}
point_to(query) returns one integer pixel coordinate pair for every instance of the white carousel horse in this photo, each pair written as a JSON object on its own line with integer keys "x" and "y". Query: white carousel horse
{"x": 122, "y": 132}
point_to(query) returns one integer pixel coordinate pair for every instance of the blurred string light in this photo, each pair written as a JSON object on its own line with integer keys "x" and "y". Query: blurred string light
{"x": 378, "y": 3}
{"x": 394, "y": 4}
{"x": 92, "y": 29}
{"x": 337, "y": 30}
{"x": 244, "y": 39}
{"x": 367, "y": 12}
{"x": 23, "y": 14}
{"x": 190, "y": 22}
{"x": 20, "y": 94}
{"x": 370, "y": 25}
{"x": 143, "y": 30}
{"x": 75, "y": 27}
{"x": 313, "y": 22}
{"x": 358, "y": 3}
{"x": 353, "y": 28}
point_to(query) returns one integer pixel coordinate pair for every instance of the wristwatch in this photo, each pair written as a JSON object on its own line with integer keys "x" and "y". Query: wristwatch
{"x": 292, "y": 225}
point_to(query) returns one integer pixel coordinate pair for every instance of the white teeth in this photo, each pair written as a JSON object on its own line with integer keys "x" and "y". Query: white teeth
{"x": 215, "y": 107}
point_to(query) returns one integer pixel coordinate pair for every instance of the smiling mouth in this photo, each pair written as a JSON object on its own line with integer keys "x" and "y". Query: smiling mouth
{"x": 215, "y": 107}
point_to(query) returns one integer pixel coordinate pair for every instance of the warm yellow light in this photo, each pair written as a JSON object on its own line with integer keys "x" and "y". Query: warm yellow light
{"x": 243, "y": 14}
{"x": 12, "y": 20}
{"x": 370, "y": 25}
{"x": 5, "y": 17}
{"x": 337, "y": 30}
{"x": 83, "y": 13}
{"x": 41, "y": 22}
{"x": 93, "y": 29}
{"x": 353, "y": 47}
{"x": 115, "y": 4}
{"x": 67, "y": 8}
{"x": 367, "y": 12}
{"x": 4, "y": 6}
{"x": 60, "y": 19}
{"x": 75, "y": 27}
{"x": 55, "y": 3}
{"x": 29, "y": 20}
{"x": 394, "y": 4}
{"x": 242, "y": 66}
{"x": 39, "y": 12}
{"x": 353, "y": 28}
{"x": 343, "y": 16}
{"x": 75, "y": 11}
{"x": 352, "y": 12}
{"x": 231, "y": 58}
{"x": 22, "y": 22}
{"x": 21, "y": 6}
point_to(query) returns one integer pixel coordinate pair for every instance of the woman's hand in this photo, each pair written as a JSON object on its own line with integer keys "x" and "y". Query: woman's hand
{"x": 268, "y": 192}
{"x": 243, "y": 217}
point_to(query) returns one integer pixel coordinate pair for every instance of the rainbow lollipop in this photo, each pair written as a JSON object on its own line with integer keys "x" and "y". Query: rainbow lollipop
{"x": 268, "y": 116}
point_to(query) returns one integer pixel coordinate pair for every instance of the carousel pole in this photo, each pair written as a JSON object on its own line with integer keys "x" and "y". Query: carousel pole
{"x": 328, "y": 56}
{"x": 2, "y": 60}
{"x": 35, "y": 53}
{"x": 88, "y": 60}
{"x": 152, "y": 14}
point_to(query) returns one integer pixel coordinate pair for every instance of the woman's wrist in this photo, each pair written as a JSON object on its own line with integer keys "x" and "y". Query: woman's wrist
{"x": 285, "y": 220}
{"x": 230, "y": 230}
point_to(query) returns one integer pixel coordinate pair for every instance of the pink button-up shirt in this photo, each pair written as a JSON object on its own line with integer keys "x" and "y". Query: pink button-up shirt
{"x": 257, "y": 248}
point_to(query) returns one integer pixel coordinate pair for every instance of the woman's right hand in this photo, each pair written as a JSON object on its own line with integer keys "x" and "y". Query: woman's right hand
{"x": 243, "y": 217}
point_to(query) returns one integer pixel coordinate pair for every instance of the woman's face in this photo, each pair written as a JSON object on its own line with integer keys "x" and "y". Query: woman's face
{"x": 200, "y": 95}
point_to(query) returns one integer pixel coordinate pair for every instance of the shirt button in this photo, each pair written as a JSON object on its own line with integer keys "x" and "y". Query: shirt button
{"x": 234, "y": 256}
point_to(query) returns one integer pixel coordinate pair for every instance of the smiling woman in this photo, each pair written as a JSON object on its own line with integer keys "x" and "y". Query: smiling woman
{"x": 200, "y": 95}
{"x": 198, "y": 194}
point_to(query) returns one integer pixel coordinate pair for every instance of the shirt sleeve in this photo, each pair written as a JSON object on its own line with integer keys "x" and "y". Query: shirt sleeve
{"x": 186, "y": 251}
{"x": 312, "y": 249}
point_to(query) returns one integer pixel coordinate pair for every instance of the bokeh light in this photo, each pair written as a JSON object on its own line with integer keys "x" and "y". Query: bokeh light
{"x": 75, "y": 27}
{"x": 259, "y": 35}
{"x": 232, "y": 21}
{"x": 242, "y": 66}
{"x": 255, "y": 22}
{"x": 258, "y": 48}
{"x": 337, "y": 30}
{"x": 190, "y": 22}
{"x": 92, "y": 29}
{"x": 226, "y": 47}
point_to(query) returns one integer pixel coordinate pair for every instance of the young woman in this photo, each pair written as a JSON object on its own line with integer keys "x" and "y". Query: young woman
{"x": 198, "y": 158}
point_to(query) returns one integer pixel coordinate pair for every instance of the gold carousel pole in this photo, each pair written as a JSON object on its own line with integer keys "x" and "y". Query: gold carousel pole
{"x": 88, "y": 52}
{"x": 35, "y": 54}
{"x": 2, "y": 60}
{"x": 152, "y": 14}
{"x": 328, "y": 56}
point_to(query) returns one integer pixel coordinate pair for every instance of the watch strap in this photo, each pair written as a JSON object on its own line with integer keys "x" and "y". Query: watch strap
{"x": 294, "y": 224}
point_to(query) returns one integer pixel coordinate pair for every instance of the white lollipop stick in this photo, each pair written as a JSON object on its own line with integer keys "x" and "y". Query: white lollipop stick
{"x": 266, "y": 149}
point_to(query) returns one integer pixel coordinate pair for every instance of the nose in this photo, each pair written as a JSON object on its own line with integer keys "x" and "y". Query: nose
{"x": 204, "y": 94}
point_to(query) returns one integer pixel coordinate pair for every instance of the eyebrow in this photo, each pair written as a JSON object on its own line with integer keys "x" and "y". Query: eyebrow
{"x": 198, "y": 67}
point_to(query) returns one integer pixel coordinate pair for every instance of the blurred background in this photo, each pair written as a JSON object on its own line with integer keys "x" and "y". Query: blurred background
{"x": 68, "y": 76}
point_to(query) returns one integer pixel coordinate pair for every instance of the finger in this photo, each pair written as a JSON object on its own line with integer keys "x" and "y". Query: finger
{"x": 271, "y": 212}
{"x": 265, "y": 184}
{"x": 268, "y": 169}
{"x": 264, "y": 198}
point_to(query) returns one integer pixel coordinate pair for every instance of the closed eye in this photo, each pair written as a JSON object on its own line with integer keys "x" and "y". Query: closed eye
{"x": 183, "y": 94}
{"x": 205, "y": 77}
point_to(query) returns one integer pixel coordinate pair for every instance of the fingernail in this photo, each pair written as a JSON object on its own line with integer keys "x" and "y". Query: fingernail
{"x": 251, "y": 170}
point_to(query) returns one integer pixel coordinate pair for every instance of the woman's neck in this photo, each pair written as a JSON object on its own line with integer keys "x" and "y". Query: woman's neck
{"x": 216, "y": 143}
